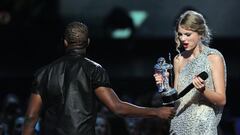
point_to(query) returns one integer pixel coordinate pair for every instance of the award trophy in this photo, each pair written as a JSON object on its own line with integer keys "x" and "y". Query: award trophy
{"x": 168, "y": 95}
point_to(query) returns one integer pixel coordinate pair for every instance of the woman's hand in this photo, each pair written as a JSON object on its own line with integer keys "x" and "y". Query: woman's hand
{"x": 158, "y": 78}
{"x": 199, "y": 84}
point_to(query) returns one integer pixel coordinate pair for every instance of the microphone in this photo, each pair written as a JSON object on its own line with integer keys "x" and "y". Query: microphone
{"x": 203, "y": 75}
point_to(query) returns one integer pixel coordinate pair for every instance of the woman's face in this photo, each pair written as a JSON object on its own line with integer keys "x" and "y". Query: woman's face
{"x": 188, "y": 39}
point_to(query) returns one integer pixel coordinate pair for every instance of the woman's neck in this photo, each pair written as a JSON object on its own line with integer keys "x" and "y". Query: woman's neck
{"x": 191, "y": 54}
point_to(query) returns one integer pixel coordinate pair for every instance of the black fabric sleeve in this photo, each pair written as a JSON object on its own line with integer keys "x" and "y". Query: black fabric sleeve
{"x": 38, "y": 81}
{"x": 100, "y": 78}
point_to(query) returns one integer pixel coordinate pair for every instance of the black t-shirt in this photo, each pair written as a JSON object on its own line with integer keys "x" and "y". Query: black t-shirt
{"x": 67, "y": 89}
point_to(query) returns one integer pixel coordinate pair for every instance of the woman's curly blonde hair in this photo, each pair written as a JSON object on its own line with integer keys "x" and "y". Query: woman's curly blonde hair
{"x": 194, "y": 21}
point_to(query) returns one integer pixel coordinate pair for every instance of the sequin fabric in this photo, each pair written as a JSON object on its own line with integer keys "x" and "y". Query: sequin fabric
{"x": 195, "y": 115}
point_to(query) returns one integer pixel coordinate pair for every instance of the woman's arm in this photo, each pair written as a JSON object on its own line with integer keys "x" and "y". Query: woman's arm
{"x": 218, "y": 95}
{"x": 176, "y": 65}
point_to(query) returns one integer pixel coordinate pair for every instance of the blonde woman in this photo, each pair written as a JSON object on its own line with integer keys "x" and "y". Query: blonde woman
{"x": 199, "y": 111}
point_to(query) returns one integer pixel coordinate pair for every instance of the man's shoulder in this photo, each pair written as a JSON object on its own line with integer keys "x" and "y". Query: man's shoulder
{"x": 93, "y": 63}
{"x": 41, "y": 70}
{"x": 46, "y": 67}
{"x": 85, "y": 62}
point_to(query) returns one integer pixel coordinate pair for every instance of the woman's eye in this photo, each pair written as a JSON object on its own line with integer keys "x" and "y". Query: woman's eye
{"x": 188, "y": 34}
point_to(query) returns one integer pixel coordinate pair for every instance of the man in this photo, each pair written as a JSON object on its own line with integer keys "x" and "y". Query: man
{"x": 66, "y": 91}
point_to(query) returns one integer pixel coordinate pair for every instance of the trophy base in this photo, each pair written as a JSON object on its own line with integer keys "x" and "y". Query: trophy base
{"x": 169, "y": 97}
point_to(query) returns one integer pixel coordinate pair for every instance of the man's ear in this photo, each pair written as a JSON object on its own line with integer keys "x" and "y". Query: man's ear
{"x": 65, "y": 43}
{"x": 88, "y": 41}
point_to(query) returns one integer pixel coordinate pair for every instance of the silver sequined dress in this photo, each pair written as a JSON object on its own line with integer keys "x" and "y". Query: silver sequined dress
{"x": 195, "y": 115}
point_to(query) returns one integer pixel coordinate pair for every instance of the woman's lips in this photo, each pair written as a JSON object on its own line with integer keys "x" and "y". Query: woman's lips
{"x": 185, "y": 45}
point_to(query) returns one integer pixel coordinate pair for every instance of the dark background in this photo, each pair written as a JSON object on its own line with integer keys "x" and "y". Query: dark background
{"x": 32, "y": 37}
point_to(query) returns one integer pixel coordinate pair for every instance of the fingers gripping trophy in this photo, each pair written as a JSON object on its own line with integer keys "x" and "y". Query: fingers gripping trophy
{"x": 168, "y": 95}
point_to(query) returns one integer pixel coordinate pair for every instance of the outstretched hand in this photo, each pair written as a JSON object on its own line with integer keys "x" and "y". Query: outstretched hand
{"x": 166, "y": 112}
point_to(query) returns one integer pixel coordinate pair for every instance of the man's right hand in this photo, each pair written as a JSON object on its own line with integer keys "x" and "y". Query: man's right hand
{"x": 166, "y": 112}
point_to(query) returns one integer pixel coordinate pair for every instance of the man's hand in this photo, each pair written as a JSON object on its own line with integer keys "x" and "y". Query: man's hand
{"x": 166, "y": 112}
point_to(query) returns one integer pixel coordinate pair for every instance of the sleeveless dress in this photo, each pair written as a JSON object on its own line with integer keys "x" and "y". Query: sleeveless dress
{"x": 195, "y": 114}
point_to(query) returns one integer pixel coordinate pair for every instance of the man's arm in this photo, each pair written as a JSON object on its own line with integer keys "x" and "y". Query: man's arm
{"x": 111, "y": 100}
{"x": 32, "y": 114}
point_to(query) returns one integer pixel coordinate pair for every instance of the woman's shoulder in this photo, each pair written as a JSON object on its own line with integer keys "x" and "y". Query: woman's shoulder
{"x": 212, "y": 51}
{"x": 178, "y": 60}
{"x": 214, "y": 55}
{"x": 180, "y": 56}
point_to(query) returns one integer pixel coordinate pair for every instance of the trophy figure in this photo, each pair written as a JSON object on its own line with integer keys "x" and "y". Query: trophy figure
{"x": 168, "y": 95}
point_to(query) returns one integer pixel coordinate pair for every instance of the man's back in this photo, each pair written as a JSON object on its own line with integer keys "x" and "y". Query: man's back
{"x": 67, "y": 90}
